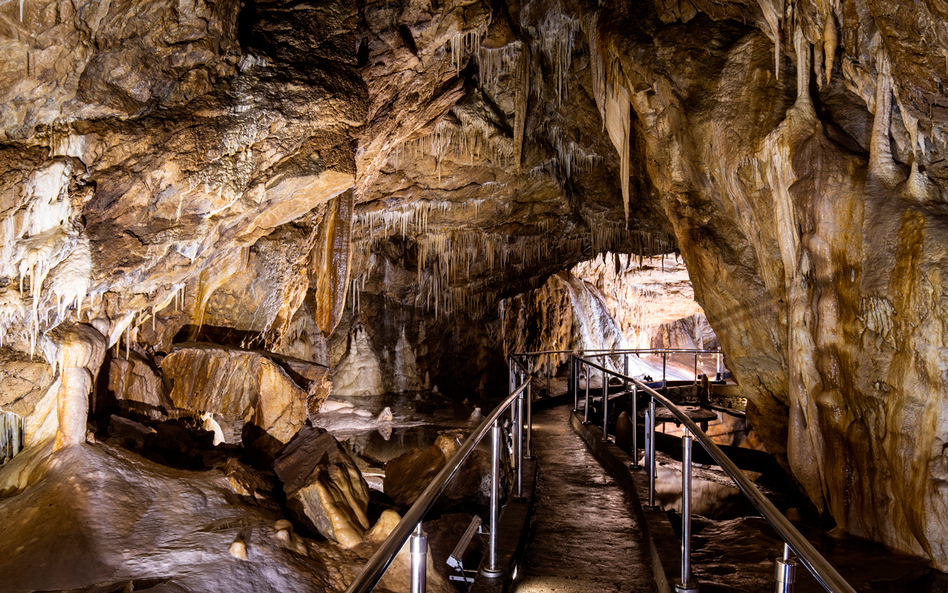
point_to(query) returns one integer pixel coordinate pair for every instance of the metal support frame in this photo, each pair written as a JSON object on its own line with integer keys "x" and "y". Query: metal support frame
{"x": 687, "y": 584}
{"x": 650, "y": 451}
{"x": 529, "y": 454}
{"x": 586, "y": 410}
{"x": 419, "y": 560}
{"x": 786, "y": 569}
{"x": 518, "y": 445}
{"x": 664, "y": 374}
{"x": 605, "y": 406}
{"x": 491, "y": 570}
{"x": 635, "y": 426}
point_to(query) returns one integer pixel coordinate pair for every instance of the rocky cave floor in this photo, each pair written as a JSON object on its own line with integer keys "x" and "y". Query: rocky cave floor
{"x": 153, "y": 505}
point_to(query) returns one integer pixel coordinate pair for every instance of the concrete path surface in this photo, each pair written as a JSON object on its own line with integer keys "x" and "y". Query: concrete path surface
{"x": 583, "y": 536}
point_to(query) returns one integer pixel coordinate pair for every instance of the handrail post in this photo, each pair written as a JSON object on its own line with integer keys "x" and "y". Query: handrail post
{"x": 419, "y": 560}
{"x": 549, "y": 366}
{"x": 574, "y": 381}
{"x": 687, "y": 584}
{"x": 635, "y": 425}
{"x": 605, "y": 407}
{"x": 786, "y": 571}
{"x": 625, "y": 370}
{"x": 529, "y": 454}
{"x": 650, "y": 450}
{"x": 492, "y": 570}
{"x": 586, "y": 410}
{"x": 665, "y": 373}
{"x": 697, "y": 397}
{"x": 720, "y": 366}
{"x": 518, "y": 445}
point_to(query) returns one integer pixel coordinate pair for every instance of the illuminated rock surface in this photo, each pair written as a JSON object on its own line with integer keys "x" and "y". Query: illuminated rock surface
{"x": 370, "y": 189}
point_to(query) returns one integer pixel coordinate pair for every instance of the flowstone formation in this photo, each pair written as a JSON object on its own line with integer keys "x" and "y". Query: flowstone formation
{"x": 319, "y": 191}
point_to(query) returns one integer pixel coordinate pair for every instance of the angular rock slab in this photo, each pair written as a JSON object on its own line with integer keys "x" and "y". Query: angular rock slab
{"x": 240, "y": 383}
{"x": 407, "y": 475}
{"x": 324, "y": 489}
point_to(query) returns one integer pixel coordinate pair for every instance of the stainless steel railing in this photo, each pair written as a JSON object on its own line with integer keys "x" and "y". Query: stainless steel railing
{"x": 411, "y": 524}
{"x": 794, "y": 541}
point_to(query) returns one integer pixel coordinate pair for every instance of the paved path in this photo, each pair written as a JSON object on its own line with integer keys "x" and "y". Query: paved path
{"x": 583, "y": 537}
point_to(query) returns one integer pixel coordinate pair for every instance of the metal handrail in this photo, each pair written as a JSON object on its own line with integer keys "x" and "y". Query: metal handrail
{"x": 822, "y": 570}
{"x": 373, "y": 570}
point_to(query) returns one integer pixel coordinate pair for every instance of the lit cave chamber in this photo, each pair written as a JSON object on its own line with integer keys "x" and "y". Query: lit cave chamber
{"x": 239, "y": 236}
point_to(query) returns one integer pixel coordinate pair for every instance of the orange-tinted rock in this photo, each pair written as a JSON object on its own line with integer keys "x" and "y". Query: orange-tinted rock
{"x": 237, "y": 383}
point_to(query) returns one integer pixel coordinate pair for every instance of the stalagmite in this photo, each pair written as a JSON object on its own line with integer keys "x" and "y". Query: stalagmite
{"x": 81, "y": 350}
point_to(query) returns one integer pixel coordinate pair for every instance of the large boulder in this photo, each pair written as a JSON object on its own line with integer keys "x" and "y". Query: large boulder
{"x": 324, "y": 489}
{"x": 269, "y": 392}
{"x": 134, "y": 383}
{"x": 407, "y": 475}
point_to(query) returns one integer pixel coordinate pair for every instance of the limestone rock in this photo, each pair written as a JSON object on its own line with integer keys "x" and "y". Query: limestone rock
{"x": 133, "y": 381}
{"x": 24, "y": 380}
{"x": 398, "y": 575}
{"x": 141, "y": 521}
{"x": 407, "y": 475}
{"x": 624, "y": 428}
{"x": 237, "y": 383}
{"x": 324, "y": 488}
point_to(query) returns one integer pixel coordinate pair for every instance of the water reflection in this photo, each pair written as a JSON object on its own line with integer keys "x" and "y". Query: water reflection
{"x": 416, "y": 421}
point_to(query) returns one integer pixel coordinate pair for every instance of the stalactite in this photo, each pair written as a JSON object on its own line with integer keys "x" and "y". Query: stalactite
{"x": 773, "y": 11}
{"x": 556, "y": 39}
{"x": 11, "y": 435}
{"x": 618, "y": 122}
{"x": 881, "y": 163}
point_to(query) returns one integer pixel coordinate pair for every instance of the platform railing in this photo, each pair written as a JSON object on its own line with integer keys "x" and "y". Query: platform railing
{"x": 794, "y": 542}
{"x": 410, "y": 527}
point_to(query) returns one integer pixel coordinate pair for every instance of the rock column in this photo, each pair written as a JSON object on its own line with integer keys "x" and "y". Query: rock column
{"x": 81, "y": 351}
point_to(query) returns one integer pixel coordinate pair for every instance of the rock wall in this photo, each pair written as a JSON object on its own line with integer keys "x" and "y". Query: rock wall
{"x": 796, "y": 151}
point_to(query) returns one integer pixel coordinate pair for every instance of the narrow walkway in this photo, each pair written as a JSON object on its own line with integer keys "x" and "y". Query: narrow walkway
{"x": 583, "y": 537}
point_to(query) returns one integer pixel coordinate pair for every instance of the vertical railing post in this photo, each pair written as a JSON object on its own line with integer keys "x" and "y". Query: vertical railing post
{"x": 697, "y": 398}
{"x": 625, "y": 370}
{"x": 664, "y": 374}
{"x": 605, "y": 406}
{"x": 549, "y": 372}
{"x": 419, "y": 560}
{"x": 786, "y": 571}
{"x": 635, "y": 425}
{"x": 650, "y": 450}
{"x": 586, "y": 410}
{"x": 574, "y": 381}
{"x": 529, "y": 454}
{"x": 720, "y": 375}
{"x": 687, "y": 584}
{"x": 518, "y": 444}
{"x": 492, "y": 570}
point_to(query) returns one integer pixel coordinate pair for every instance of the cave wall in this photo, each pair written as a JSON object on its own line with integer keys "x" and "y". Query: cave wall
{"x": 809, "y": 210}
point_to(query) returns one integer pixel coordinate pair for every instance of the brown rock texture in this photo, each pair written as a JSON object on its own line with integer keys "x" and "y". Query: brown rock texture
{"x": 407, "y": 475}
{"x": 324, "y": 488}
{"x": 299, "y": 177}
{"x": 237, "y": 384}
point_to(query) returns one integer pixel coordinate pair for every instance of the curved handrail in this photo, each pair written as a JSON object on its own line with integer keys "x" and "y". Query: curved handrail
{"x": 822, "y": 570}
{"x": 373, "y": 570}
